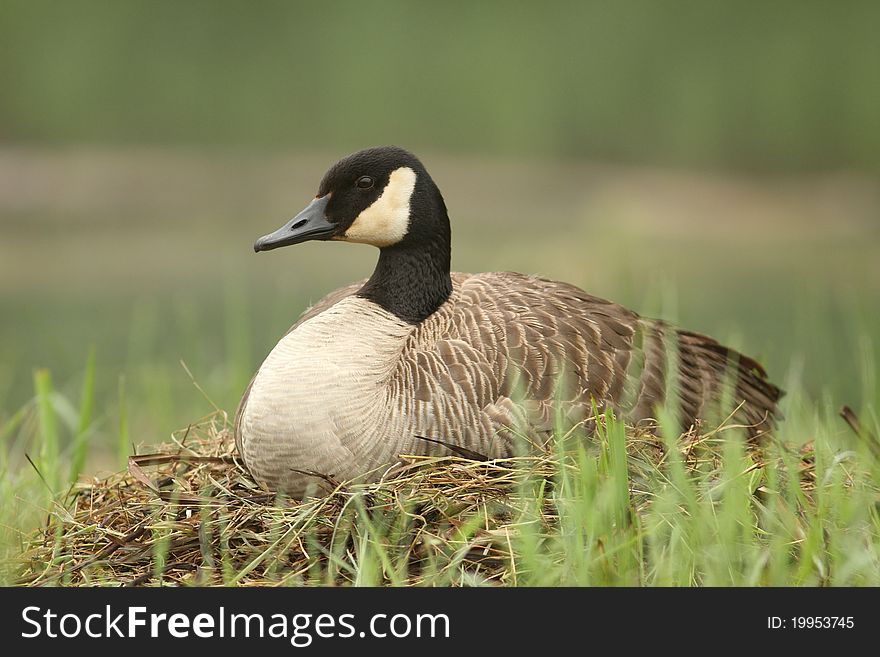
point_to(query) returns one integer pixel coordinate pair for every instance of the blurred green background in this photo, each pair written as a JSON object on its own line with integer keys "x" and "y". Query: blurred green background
{"x": 716, "y": 163}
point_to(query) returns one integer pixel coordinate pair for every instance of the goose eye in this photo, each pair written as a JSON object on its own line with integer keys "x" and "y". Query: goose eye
{"x": 364, "y": 182}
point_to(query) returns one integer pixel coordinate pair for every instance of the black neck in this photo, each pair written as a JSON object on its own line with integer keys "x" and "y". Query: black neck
{"x": 411, "y": 279}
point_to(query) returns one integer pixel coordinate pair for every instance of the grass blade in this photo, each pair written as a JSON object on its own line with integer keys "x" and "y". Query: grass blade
{"x": 86, "y": 413}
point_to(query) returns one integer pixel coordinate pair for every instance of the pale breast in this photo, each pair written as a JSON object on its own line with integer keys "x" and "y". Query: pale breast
{"x": 318, "y": 393}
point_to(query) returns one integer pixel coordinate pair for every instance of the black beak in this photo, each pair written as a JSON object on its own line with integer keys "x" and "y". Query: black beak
{"x": 310, "y": 224}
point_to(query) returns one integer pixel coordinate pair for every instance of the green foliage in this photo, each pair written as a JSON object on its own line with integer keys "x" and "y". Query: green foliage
{"x": 86, "y": 416}
{"x": 781, "y": 85}
{"x": 621, "y": 509}
{"x": 48, "y": 462}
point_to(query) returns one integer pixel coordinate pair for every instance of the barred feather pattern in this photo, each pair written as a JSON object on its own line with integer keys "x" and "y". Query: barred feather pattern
{"x": 502, "y": 363}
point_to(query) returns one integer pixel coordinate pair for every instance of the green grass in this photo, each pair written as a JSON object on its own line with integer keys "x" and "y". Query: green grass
{"x": 622, "y": 508}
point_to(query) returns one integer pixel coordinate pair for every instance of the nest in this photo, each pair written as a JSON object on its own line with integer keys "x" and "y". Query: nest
{"x": 189, "y": 513}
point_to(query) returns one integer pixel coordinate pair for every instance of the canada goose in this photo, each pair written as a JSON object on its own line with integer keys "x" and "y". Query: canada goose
{"x": 417, "y": 354}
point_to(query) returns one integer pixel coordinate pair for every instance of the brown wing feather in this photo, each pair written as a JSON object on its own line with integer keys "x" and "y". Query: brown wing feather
{"x": 706, "y": 367}
{"x": 551, "y": 343}
{"x": 506, "y": 336}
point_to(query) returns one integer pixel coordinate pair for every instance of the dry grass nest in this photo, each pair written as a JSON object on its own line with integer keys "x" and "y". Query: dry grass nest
{"x": 188, "y": 513}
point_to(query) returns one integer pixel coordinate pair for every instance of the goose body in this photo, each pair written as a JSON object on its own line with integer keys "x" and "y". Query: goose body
{"x": 418, "y": 360}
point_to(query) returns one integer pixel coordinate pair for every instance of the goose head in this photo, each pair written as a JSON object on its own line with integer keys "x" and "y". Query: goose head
{"x": 380, "y": 196}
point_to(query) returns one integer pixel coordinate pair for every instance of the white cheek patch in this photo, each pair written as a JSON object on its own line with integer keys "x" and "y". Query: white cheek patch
{"x": 386, "y": 221}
